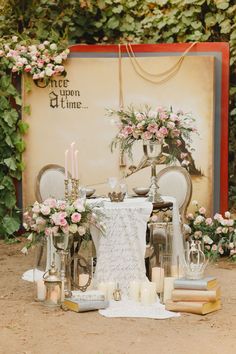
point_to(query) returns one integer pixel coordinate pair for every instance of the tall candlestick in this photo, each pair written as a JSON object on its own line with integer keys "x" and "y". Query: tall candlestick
{"x": 76, "y": 165}
{"x": 72, "y": 148}
{"x": 66, "y": 164}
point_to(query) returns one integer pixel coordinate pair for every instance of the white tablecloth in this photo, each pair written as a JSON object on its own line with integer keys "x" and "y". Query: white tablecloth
{"x": 120, "y": 252}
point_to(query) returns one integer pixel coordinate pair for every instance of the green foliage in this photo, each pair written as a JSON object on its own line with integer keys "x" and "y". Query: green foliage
{"x": 105, "y": 21}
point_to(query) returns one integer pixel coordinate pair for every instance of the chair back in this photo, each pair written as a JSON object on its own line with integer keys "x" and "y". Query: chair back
{"x": 50, "y": 183}
{"x": 175, "y": 181}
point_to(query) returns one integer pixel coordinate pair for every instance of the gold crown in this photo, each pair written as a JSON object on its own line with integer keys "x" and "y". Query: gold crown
{"x": 116, "y": 196}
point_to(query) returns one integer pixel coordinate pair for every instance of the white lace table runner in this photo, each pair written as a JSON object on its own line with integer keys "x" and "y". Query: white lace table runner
{"x": 120, "y": 252}
{"x": 128, "y": 308}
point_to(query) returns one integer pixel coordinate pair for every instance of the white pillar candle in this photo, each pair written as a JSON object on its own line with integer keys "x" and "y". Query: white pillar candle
{"x": 110, "y": 289}
{"x": 76, "y": 165}
{"x": 177, "y": 271}
{"x": 153, "y": 292}
{"x": 41, "y": 290}
{"x": 103, "y": 288}
{"x": 72, "y": 154}
{"x": 168, "y": 288}
{"x": 158, "y": 278}
{"x": 145, "y": 295}
{"x": 66, "y": 164}
{"x": 134, "y": 290}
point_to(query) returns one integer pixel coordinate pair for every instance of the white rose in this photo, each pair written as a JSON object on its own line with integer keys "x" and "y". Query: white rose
{"x": 53, "y": 46}
{"x": 48, "y": 71}
{"x": 81, "y": 230}
{"x": 58, "y": 59}
{"x": 207, "y": 239}
{"x": 227, "y": 214}
{"x": 195, "y": 202}
{"x": 45, "y": 210}
{"x": 73, "y": 228}
{"x": 14, "y": 38}
{"x": 199, "y": 219}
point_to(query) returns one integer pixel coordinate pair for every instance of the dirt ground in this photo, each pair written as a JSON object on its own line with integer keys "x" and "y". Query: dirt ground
{"x": 27, "y": 327}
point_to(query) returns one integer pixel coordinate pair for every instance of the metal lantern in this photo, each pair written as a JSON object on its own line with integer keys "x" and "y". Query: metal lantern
{"x": 195, "y": 261}
{"x": 53, "y": 286}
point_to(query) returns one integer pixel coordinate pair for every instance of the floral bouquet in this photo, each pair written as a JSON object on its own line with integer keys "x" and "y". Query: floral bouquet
{"x": 41, "y": 60}
{"x": 218, "y": 235}
{"x": 173, "y": 129}
{"x": 59, "y": 217}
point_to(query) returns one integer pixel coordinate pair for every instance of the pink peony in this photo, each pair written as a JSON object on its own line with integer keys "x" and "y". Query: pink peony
{"x": 76, "y": 217}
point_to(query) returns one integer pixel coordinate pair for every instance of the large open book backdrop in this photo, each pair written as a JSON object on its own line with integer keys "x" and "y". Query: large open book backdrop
{"x": 74, "y": 109}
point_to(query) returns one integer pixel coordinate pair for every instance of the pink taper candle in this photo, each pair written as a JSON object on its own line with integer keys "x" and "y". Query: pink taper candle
{"x": 66, "y": 164}
{"x": 76, "y": 165}
{"x": 72, "y": 147}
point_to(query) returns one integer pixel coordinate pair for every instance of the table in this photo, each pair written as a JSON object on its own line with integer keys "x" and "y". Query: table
{"x": 120, "y": 252}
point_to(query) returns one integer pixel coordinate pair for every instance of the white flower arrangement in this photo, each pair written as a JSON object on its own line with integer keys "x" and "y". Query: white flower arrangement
{"x": 59, "y": 217}
{"x": 218, "y": 234}
{"x": 41, "y": 60}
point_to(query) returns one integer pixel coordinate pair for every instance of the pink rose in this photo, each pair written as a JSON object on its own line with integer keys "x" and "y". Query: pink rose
{"x": 76, "y": 217}
{"x": 209, "y": 221}
{"x": 51, "y": 202}
{"x": 152, "y": 128}
{"x": 214, "y": 248}
{"x": 202, "y": 210}
{"x": 147, "y": 135}
{"x": 62, "y": 222}
{"x": 178, "y": 142}
{"x": 139, "y": 116}
{"x": 170, "y": 125}
{"x": 163, "y": 116}
{"x": 48, "y": 231}
{"x": 163, "y": 131}
{"x": 45, "y": 210}
{"x": 221, "y": 251}
{"x": 36, "y": 208}
{"x": 27, "y": 69}
{"x": 175, "y": 132}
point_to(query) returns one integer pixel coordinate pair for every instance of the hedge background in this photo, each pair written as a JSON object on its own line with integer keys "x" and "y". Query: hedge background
{"x": 102, "y": 21}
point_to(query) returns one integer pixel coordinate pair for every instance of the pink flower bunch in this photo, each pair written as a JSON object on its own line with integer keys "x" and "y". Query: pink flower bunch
{"x": 218, "y": 234}
{"x": 162, "y": 125}
{"x": 42, "y": 60}
{"x": 57, "y": 217}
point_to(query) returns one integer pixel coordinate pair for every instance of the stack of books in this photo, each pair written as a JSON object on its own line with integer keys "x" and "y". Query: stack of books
{"x": 85, "y": 301}
{"x": 200, "y": 296}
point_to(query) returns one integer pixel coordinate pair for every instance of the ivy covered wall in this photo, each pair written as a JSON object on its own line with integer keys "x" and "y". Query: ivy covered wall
{"x": 102, "y": 21}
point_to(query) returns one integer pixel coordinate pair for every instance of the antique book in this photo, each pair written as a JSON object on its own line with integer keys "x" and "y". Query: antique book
{"x": 82, "y": 305}
{"x": 206, "y": 283}
{"x": 196, "y": 295}
{"x": 88, "y": 295}
{"x": 200, "y": 308}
